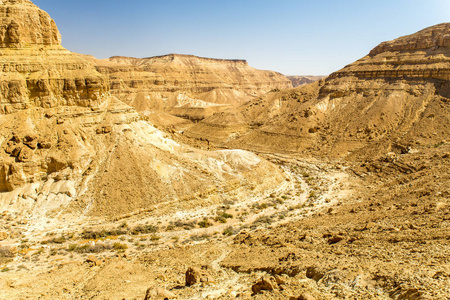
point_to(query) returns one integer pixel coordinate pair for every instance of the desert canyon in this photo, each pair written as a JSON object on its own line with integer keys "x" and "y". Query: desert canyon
{"x": 183, "y": 177}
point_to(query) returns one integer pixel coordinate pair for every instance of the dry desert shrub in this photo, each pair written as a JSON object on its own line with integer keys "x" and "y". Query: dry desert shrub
{"x": 90, "y": 248}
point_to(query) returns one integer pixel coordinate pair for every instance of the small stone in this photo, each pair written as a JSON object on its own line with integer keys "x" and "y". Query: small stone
{"x": 93, "y": 260}
{"x": 279, "y": 280}
{"x": 440, "y": 275}
{"x": 195, "y": 275}
{"x": 3, "y": 235}
{"x": 26, "y": 154}
{"x": 192, "y": 276}
{"x": 31, "y": 141}
{"x": 303, "y": 296}
{"x": 335, "y": 239}
{"x": 262, "y": 285}
{"x": 370, "y": 225}
{"x": 16, "y": 151}
{"x": 158, "y": 293}
{"x": 314, "y": 273}
{"x": 107, "y": 129}
{"x": 44, "y": 145}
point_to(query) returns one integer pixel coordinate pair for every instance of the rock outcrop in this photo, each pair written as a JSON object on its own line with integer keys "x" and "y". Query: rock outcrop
{"x": 24, "y": 24}
{"x": 36, "y": 70}
{"x": 423, "y": 55}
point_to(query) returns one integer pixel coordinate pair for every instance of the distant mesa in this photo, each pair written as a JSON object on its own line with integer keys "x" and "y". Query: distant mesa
{"x": 173, "y": 56}
{"x": 187, "y": 86}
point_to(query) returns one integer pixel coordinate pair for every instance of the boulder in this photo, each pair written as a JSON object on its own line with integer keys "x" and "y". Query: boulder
{"x": 314, "y": 273}
{"x": 3, "y": 235}
{"x": 264, "y": 284}
{"x": 158, "y": 293}
{"x": 26, "y": 154}
{"x": 196, "y": 275}
{"x": 31, "y": 141}
{"x": 93, "y": 260}
{"x": 303, "y": 296}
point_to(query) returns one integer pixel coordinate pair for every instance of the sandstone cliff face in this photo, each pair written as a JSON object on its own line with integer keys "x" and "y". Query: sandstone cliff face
{"x": 185, "y": 85}
{"x": 422, "y": 55}
{"x": 394, "y": 99}
{"x": 24, "y": 24}
{"x": 36, "y": 70}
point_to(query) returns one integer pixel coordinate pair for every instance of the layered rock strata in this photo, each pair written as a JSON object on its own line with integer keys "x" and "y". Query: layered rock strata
{"x": 185, "y": 85}
{"x": 422, "y": 55}
{"x": 36, "y": 70}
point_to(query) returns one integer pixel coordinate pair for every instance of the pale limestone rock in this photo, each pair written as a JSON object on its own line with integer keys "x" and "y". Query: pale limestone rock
{"x": 159, "y": 293}
{"x": 3, "y": 235}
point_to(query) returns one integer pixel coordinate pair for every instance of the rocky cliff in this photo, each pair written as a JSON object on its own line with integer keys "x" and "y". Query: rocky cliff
{"x": 36, "y": 70}
{"x": 421, "y": 55}
{"x": 185, "y": 85}
{"x": 23, "y": 25}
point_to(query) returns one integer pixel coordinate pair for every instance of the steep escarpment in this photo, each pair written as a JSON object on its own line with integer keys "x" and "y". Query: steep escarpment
{"x": 36, "y": 70}
{"x": 185, "y": 85}
{"x": 423, "y": 55}
{"x": 394, "y": 99}
{"x": 23, "y": 24}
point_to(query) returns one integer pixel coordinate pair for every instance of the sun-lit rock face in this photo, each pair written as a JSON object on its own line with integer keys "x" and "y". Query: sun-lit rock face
{"x": 431, "y": 37}
{"x": 23, "y": 24}
{"x": 425, "y": 54}
{"x": 185, "y": 85}
{"x": 36, "y": 71}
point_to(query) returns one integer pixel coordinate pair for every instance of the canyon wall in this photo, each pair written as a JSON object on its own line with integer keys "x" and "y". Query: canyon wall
{"x": 184, "y": 85}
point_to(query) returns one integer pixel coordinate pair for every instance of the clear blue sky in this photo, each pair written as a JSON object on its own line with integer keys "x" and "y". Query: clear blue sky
{"x": 290, "y": 36}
